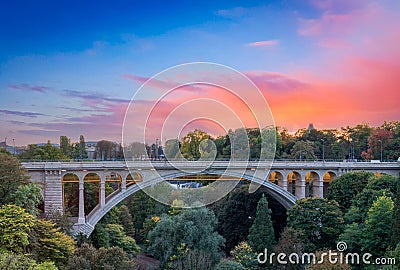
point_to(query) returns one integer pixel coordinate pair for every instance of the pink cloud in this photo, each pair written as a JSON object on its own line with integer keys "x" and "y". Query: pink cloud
{"x": 328, "y": 24}
{"x": 264, "y": 43}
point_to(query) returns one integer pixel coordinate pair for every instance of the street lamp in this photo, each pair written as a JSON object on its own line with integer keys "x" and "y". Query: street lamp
{"x": 381, "y": 149}
{"x": 323, "y": 150}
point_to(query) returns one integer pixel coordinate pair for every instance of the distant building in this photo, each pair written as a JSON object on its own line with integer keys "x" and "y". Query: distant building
{"x": 44, "y": 144}
{"x": 90, "y": 148}
{"x": 13, "y": 150}
{"x": 310, "y": 127}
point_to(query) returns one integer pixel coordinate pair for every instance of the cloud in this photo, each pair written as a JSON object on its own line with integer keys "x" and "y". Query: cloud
{"x": 29, "y": 88}
{"x": 41, "y": 132}
{"x": 272, "y": 81}
{"x": 93, "y": 100}
{"x": 328, "y": 24}
{"x": 24, "y": 114}
{"x": 163, "y": 84}
{"x": 232, "y": 13}
{"x": 264, "y": 43}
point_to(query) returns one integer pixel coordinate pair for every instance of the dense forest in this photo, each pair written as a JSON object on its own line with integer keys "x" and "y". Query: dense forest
{"x": 359, "y": 143}
{"x": 362, "y": 209}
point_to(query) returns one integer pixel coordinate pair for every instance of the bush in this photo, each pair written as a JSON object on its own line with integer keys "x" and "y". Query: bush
{"x": 225, "y": 264}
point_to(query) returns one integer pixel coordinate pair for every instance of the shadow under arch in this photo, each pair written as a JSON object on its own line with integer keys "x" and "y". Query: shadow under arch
{"x": 286, "y": 199}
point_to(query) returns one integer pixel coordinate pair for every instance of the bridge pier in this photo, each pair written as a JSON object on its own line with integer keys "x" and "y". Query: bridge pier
{"x": 102, "y": 192}
{"x": 318, "y": 188}
{"x": 300, "y": 188}
{"x": 53, "y": 191}
{"x": 81, "y": 215}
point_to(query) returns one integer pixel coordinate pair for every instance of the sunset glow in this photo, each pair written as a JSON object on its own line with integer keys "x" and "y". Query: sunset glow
{"x": 71, "y": 68}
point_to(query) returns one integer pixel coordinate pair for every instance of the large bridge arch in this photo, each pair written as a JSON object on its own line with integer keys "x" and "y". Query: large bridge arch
{"x": 286, "y": 199}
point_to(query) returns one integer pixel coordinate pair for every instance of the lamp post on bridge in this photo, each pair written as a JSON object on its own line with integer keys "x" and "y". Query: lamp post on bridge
{"x": 323, "y": 150}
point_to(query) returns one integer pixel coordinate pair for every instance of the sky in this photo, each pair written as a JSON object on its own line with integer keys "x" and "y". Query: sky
{"x": 72, "y": 67}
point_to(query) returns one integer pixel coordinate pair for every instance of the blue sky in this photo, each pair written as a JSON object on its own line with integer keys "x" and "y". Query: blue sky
{"x": 65, "y": 66}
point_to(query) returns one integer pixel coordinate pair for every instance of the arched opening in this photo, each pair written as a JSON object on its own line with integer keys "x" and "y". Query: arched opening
{"x": 70, "y": 189}
{"x": 113, "y": 182}
{"x": 327, "y": 179}
{"x": 312, "y": 184}
{"x": 276, "y": 178}
{"x": 293, "y": 180}
{"x": 91, "y": 191}
{"x": 133, "y": 178}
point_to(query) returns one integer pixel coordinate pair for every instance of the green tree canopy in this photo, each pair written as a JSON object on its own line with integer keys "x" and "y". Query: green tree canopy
{"x": 344, "y": 188}
{"x": 261, "y": 233}
{"x": 376, "y": 235}
{"x": 45, "y": 152}
{"x": 193, "y": 228}
{"x": 12, "y": 175}
{"x": 28, "y": 196}
{"x": 191, "y": 142}
{"x": 245, "y": 255}
{"x": 289, "y": 243}
{"x": 15, "y": 227}
{"x": 318, "y": 221}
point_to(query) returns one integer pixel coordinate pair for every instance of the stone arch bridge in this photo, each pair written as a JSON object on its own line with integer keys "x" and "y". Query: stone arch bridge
{"x": 286, "y": 181}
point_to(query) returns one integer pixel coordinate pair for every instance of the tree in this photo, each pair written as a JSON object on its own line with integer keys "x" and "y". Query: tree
{"x": 362, "y": 202}
{"x": 172, "y": 149}
{"x": 118, "y": 238}
{"x": 12, "y": 175}
{"x": 103, "y": 150}
{"x": 240, "y": 147}
{"x": 176, "y": 207}
{"x": 318, "y": 221}
{"x": 261, "y": 234}
{"x": 195, "y": 228}
{"x": 47, "y": 243}
{"x": 379, "y": 139}
{"x": 135, "y": 151}
{"x": 39, "y": 153}
{"x": 245, "y": 255}
{"x": 207, "y": 150}
{"x": 344, "y": 188}
{"x": 142, "y": 206}
{"x": 303, "y": 150}
{"x": 270, "y": 143}
{"x": 125, "y": 219}
{"x": 191, "y": 260}
{"x": 326, "y": 264}
{"x": 28, "y": 196}
{"x": 15, "y": 227}
{"x": 191, "y": 142}
{"x": 106, "y": 259}
{"x": 376, "y": 235}
{"x": 289, "y": 243}
{"x": 223, "y": 146}
{"x": 87, "y": 257}
{"x": 352, "y": 236}
{"x": 395, "y": 237}
{"x": 12, "y": 261}
{"x": 79, "y": 149}
{"x": 226, "y": 264}
{"x": 65, "y": 146}
{"x": 236, "y": 213}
